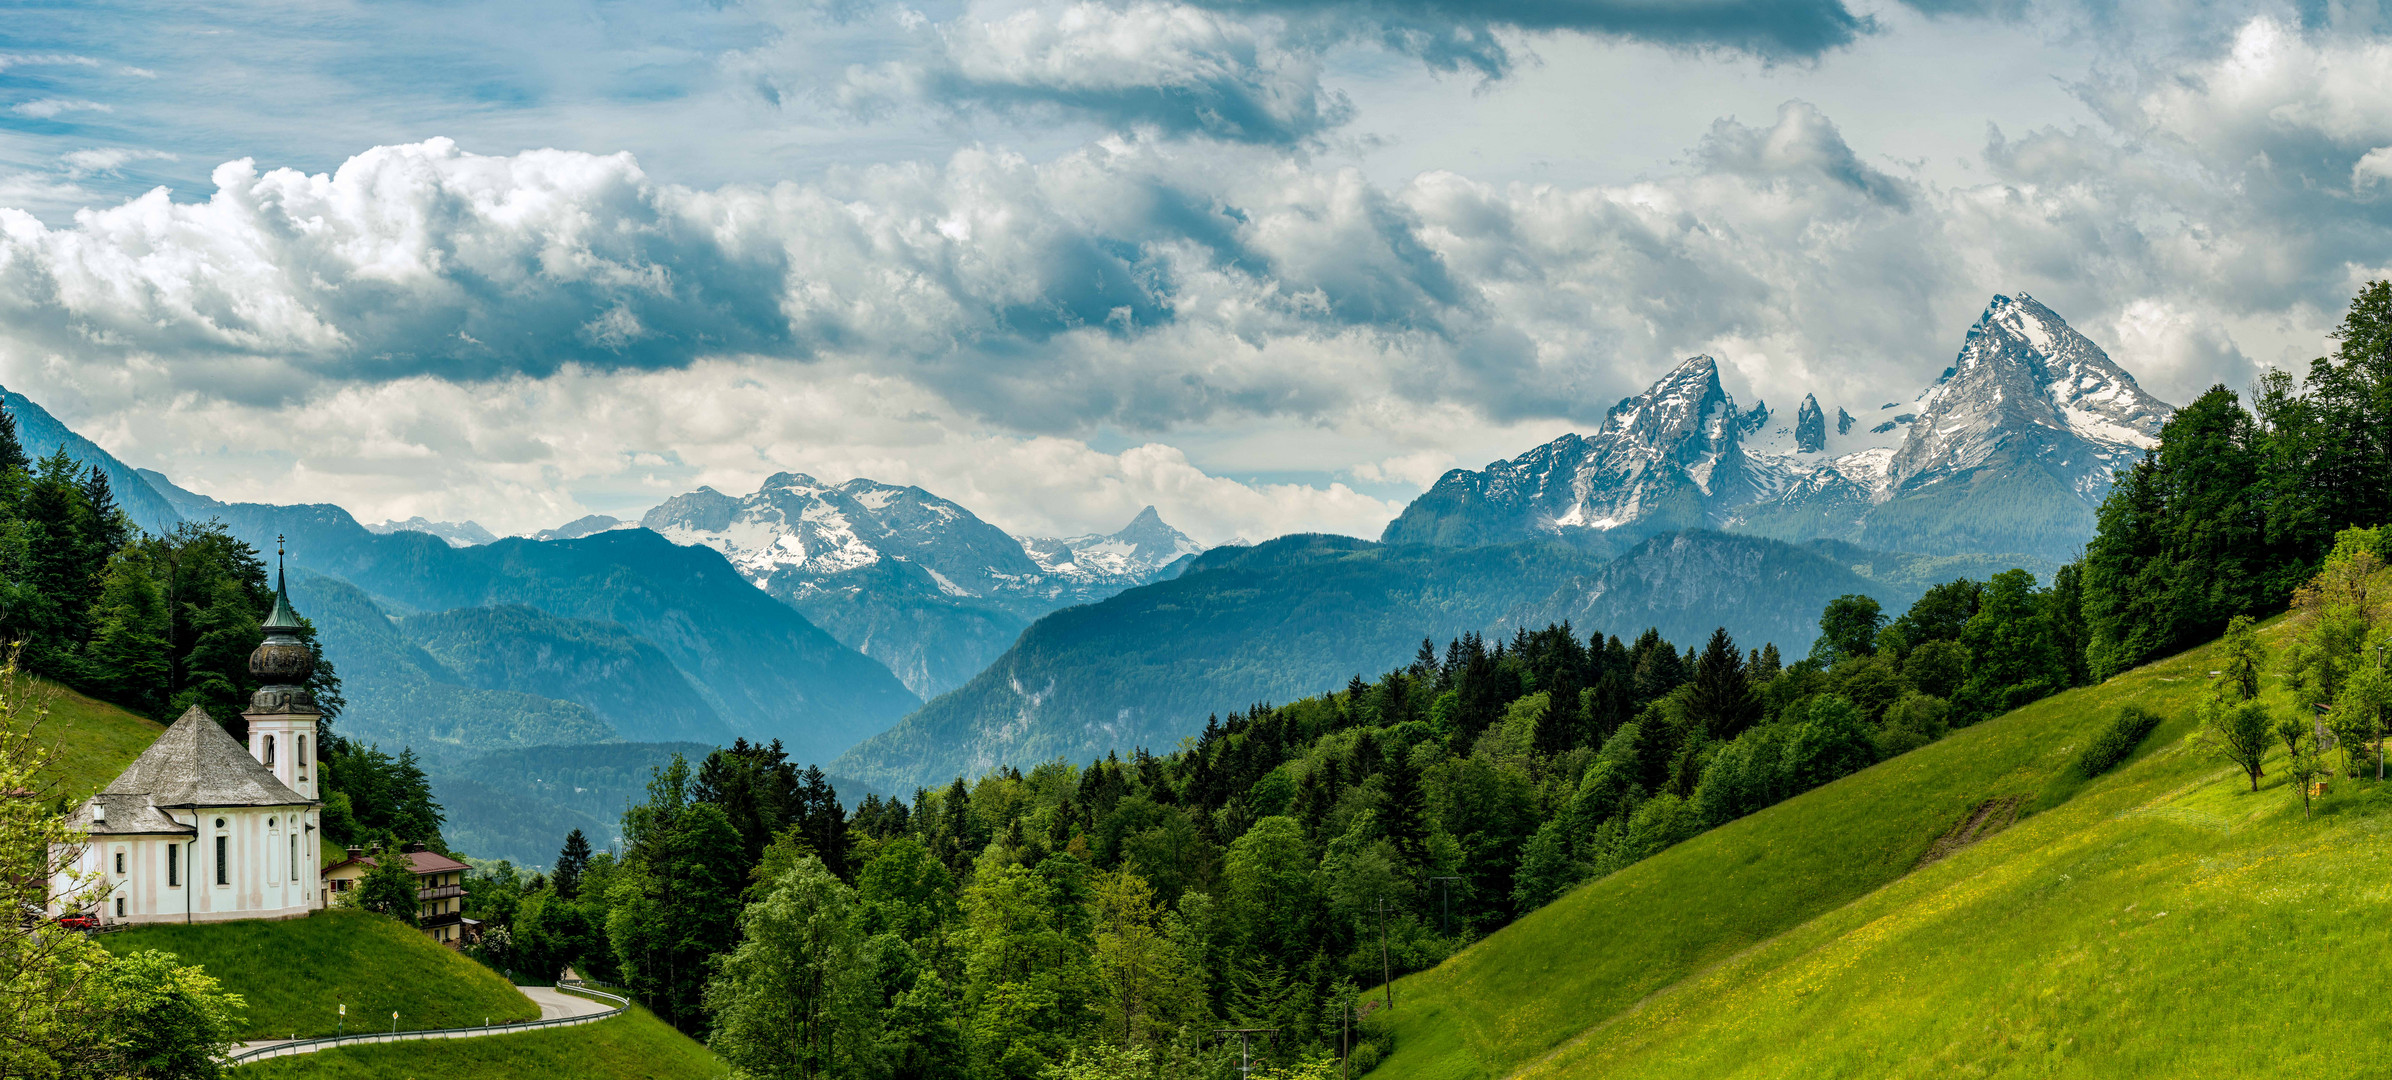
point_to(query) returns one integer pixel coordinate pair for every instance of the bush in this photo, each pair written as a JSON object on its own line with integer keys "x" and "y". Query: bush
{"x": 2117, "y": 742}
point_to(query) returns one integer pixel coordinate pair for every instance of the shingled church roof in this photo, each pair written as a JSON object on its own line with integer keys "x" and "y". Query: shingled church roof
{"x": 197, "y": 764}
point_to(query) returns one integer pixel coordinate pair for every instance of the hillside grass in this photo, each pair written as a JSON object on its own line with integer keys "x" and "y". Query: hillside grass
{"x": 1652, "y": 971}
{"x": 294, "y": 972}
{"x": 90, "y": 741}
{"x": 633, "y": 1046}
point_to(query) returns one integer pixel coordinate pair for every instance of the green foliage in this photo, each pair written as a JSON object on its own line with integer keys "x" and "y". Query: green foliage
{"x": 2240, "y": 733}
{"x": 293, "y": 973}
{"x": 1848, "y": 628}
{"x": 389, "y": 888}
{"x": 2236, "y": 509}
{"x": 148, "y": 1015}
{"x": 384, "y": 800}
{"x": 155, "y": 623}
{"x": 2150, "y": 904}
{"x": 791, "y": 1002}
{"x": 674, "y": 901}
{"x": 2116, "y": 742}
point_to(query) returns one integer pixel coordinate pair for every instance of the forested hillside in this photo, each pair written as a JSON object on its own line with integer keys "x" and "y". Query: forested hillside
{"x": 1109, "y": 917}
{"x": 1297, "y": 616}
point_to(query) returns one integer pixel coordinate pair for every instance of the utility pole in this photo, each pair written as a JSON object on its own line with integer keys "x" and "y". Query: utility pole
{"x": 1445, "y": 905}
{"x": 1245, "y": 1055}
{"x": 1386, "y": 970}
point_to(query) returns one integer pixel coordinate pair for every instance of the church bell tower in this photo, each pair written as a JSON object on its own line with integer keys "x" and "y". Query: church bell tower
{"x": 282, "y": 714}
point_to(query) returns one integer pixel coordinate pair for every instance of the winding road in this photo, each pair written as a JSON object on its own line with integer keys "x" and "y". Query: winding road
{"x": 558, "y": 1008}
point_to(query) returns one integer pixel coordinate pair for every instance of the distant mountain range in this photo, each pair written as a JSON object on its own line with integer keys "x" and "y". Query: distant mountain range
{"x": 457, "y": 533}
{"x": 1298, "y": 615}
{"x": 912, "y": 580}
{"x": 823, "y": 614}
{"x": 42, "y": 435}
{"x": 2010, "y": 450}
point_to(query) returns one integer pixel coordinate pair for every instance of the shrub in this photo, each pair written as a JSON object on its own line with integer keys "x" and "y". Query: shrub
{"x": 2128, "y": 730}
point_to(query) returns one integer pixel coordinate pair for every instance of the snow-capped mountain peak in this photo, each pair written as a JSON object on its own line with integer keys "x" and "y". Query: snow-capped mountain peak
{"x": 457, "y": 533}
{"x": 1142, "y": 548}
{"x": 2027, "y": 393}
{"x": 2023, "y": 372}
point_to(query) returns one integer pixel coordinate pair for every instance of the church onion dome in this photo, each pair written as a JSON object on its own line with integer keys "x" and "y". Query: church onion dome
{"x": 282, "y": 662}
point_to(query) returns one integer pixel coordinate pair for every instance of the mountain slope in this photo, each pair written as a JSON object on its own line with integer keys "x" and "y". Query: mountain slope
{"x": 519, "y": 803}
{"x": 625, "y": 680}
{"x": 1661, "y": 460}
{"x": 2088, "y": 938}
{"x": 901, "y": 575}
{"x": 755, "y": 662}
{"x": 42, "y": 434}
{"x": 1300, "y": 615}
{"x": 399, "y": 695}
{"x": 1686, "y": 583}
{"x": 91, "y": 741}
{"x": 2010, "y": 450}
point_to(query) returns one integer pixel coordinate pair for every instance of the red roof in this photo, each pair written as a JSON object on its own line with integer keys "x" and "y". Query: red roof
{"x": 424, "y": 863}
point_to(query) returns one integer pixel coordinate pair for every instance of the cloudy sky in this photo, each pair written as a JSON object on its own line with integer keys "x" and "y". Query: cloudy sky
{"x": 1270, "y": 265}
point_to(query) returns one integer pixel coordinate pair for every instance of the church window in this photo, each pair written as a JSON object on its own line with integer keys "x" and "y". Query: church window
{"x": 299, "y": 759}
{"x": 120, "y": 907}
{"x": 269, "y": 751}
{"x": 219, "y": 823}
{"x": 224, "y": 865}
{"x": 120, "y": 862}
{"x": 294, "y": 856}
{"x": 174, "y": 866}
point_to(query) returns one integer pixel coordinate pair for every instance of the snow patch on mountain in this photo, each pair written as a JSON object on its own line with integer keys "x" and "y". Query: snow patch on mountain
{"x": 457, "y": 533}
{"x": 2025, "y": 388}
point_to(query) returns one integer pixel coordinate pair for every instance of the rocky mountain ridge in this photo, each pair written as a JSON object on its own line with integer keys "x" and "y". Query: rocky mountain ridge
{"x": 2010, "y": 450}
{"x": 906, "y": 577}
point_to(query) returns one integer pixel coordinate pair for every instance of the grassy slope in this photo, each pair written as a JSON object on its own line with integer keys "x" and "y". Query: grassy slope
{"x": 91, "y": 740}
{"x": 1655, "y": 969}
{"x": 634, "y": 1046}
{"x": 294, "y": 972}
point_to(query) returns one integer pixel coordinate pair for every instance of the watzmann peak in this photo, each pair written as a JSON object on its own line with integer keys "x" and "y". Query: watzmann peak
{"x": 2010, "y": 450}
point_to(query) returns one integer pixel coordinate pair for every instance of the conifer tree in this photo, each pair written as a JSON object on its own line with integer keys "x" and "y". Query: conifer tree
{"x": 1723, "y": 701}
{"x": 12, "y": 450}
{"x": 571, "y": 863}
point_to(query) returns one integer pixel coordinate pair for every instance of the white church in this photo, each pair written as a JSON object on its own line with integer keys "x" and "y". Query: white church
{"x": 200, "y": 829}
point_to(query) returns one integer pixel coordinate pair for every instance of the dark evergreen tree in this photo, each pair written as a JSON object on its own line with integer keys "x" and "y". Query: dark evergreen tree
{"x": 571, "y": 863}
{"x": 12, "y": 450}
{"x": 2182, "y": 545}
{"x": 1723, "y": 700}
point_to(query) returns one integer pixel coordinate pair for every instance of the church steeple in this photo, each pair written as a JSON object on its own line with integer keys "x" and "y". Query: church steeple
{"x": 282, "y": 620}
{"x": 282, "y": 714}
{"x": 283, "y": 661}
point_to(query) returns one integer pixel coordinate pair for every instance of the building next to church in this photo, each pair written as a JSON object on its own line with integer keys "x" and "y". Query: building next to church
{"x": 202, "y": 829}
{"x": 439, "y": 889}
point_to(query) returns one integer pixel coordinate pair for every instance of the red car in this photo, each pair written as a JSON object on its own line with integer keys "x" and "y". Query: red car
{"x": 79, "y": 922}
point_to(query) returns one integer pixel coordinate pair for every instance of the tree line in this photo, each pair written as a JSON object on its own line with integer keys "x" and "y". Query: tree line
{"x": 1072, "y": 923}
{"x": 158, "y": 623}
{"x": 2239, "y": 505}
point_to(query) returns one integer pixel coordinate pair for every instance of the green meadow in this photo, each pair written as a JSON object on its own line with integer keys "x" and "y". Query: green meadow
{"x": 295, "y": 973}
{"x": 633, "y": 1046}
{"x": 2160, "y": 919}
{"x": 89, "y": 740}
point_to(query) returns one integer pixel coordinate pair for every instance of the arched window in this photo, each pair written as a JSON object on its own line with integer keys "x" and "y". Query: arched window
{"x": 294, "y": 856}
{"x": 224, "y": 862}
{"x": 299, "y": 759}
{"x": 269, "y": 751}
